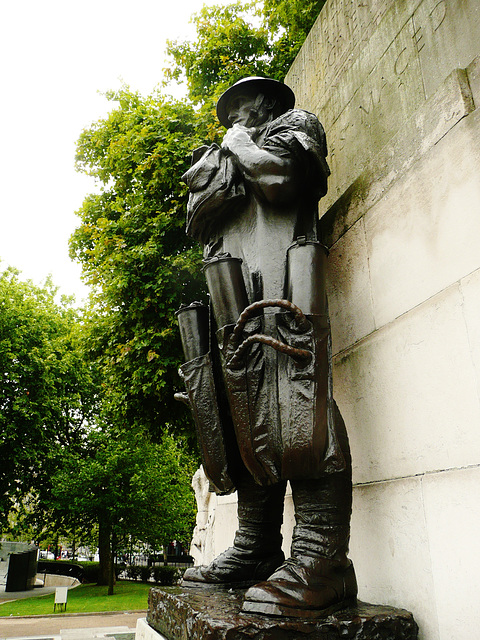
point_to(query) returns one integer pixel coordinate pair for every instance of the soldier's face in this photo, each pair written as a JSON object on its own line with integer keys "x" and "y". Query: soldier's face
{"x": 242, "y": 110}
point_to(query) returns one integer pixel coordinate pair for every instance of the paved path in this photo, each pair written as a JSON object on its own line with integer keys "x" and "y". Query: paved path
{"x": 6, "y": 596}
{"x": 118, "y": 625}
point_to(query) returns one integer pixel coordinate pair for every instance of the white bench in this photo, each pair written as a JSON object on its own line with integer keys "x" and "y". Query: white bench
{"x": 60, "y": 598}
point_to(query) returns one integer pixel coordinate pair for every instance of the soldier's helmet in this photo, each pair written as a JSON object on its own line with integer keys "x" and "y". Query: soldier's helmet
{"x": 284, "y": 96}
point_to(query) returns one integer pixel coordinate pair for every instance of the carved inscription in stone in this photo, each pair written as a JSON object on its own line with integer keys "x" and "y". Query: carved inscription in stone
{"x": 366, "y": 68}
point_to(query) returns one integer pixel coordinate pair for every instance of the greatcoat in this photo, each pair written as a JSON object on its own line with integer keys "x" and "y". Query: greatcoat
{"x": 283, "y": 412}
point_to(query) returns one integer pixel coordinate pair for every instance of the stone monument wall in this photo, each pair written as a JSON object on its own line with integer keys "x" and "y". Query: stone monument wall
{"x": 396, "y": 84}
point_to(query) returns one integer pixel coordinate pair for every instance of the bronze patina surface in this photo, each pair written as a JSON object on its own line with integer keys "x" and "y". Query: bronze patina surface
{"x": 258, "y": 370}
{"x": 215, "y": 613}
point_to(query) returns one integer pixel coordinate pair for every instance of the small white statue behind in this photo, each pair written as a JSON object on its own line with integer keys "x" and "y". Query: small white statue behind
{"x": 202, "y": 546}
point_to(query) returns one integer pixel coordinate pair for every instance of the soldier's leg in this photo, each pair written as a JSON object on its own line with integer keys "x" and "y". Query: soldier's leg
{"x": 318, "y": 578}
{"x": 256, "y": 550}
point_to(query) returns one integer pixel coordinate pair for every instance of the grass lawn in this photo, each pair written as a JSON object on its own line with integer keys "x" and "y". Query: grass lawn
{"x": 86, "y": 598}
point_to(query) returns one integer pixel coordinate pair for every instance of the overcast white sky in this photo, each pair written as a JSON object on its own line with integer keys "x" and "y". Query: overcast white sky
{"x": 55, "y": 57}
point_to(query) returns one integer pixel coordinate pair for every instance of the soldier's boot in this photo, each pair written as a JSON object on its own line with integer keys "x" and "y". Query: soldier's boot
{"x": 256, "y": 551}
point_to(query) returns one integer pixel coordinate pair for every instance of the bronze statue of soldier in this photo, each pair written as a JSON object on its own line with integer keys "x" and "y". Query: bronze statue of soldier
{"x": 258, "y": 370}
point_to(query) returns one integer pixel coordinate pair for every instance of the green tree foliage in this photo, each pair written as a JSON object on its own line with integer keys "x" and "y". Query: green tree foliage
{"x": 288, "y": 22}
{"x": 135, "y": 253}
{"x": 258, "y": 38}
{"x": 47, "y": 390}
{"x": 142, "y": 267}
{"x": 228, "y": 47}
{"x": 132, "y": 489}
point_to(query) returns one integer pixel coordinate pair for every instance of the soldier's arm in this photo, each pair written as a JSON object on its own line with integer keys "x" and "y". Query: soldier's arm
{"x": 270, "y": 175}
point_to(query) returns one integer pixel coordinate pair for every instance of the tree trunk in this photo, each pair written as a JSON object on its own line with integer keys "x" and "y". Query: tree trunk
{"x": 104, "y": 552}
{"x": 111, "y": 575}
{"x": 111, "y": 580}
{"x": 74, "y": 546}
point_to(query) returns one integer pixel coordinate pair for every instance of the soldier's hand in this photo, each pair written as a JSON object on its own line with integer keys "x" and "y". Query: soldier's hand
{"x": 237, "y": 136}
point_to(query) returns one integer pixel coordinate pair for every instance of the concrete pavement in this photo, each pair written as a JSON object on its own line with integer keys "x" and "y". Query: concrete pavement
{"x": 117, "y": 625}
{"x": 6, "y": 596}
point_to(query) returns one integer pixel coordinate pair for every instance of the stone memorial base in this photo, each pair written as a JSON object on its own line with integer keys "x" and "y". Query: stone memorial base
{"x": 184, "y": 613}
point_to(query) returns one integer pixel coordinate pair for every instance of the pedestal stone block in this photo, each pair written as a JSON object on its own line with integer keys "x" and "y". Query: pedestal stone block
{"x": 214, "y": 613}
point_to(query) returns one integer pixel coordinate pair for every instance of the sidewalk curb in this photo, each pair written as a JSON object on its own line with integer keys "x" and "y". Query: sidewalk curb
{"x": 73, "y": 615}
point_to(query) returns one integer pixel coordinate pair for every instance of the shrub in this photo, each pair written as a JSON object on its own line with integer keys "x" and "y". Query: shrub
{"x": 61, "y": 567}
{"x": 133, "y": 572}
{"x": 166, "y": 576}
{"x": 145, "y": 573}
{"x": 90, "y": 570}
{"x": 119, "y": 568}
